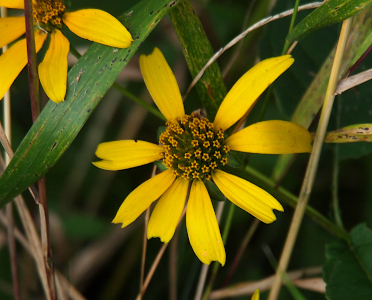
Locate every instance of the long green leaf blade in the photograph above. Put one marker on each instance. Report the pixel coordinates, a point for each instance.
(89, 80)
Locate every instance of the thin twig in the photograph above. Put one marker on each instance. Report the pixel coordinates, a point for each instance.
(240, 46)
(242, 35)
(313, 161)
(248, 288)
(160, 253)
(156, 261)
(144, 249)
(35, 252)
(173, 264)
(350, 82)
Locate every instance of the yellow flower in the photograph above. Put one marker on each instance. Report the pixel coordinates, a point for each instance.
(51, 16)
(256, 295)
(273, 137)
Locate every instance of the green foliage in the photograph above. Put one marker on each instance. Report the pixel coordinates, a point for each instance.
(331, 12)
(348, 270)
(83, 200)
(197, 51)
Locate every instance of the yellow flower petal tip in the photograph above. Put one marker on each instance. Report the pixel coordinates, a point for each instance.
(98, 26)
(271, 137)
(162, 85)
(247, 196)
(142, 197)
(120, 155)
(53, 68)
(202, 227)
(245, 92)
(256, 295)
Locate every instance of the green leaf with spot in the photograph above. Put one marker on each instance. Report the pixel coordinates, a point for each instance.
(89, 80)
(348, 270)
(197, 51)
(330, 12)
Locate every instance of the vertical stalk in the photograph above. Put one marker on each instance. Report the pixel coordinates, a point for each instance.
(293, 19)
(313, 161)
(35, 108)
(335, 176)
(32, 61)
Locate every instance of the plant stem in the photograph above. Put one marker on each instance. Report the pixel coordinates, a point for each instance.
(313, 161)
(293, 19)
(32, 61)
(35, 108)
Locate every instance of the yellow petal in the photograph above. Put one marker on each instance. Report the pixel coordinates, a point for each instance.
(168, 210)
(119, 155)
(11, 28)
(202, 227)
(162, 84)
(248, 88)
(271, 137)
(14, 60)
(12, 3)
(247, 196)
(53, 68)
(142, 197)
(256, 295)
(98, 26)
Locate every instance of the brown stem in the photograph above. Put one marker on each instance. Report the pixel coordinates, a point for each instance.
(32, 61)
(35, 108)
(359, 61)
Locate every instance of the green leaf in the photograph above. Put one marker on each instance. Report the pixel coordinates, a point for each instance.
(331, 12)
(363, 48)
(88, 80)
(351, 134)
(235, 159)
(197, 51)
(213, 191)
(348, 270)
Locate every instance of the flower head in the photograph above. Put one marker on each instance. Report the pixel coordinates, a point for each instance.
(194, 150)
(50, 16)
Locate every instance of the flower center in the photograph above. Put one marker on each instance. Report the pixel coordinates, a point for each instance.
(192, 148)
(48, 14)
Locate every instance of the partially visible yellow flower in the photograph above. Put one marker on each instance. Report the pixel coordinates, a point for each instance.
(194, 150)
(51, 16)
(256, 295)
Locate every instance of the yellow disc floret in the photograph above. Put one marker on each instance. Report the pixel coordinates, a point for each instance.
(192, 149)
(48, 14)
